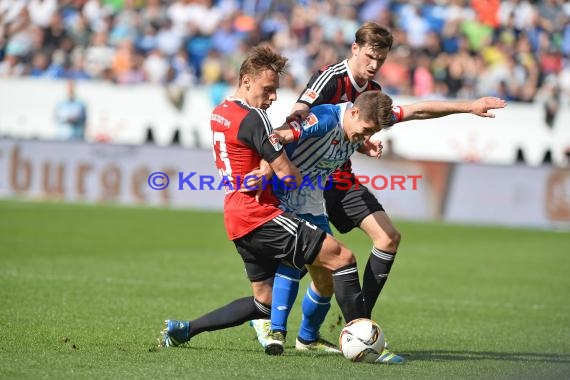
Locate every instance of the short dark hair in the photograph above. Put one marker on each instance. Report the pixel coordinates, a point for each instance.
(376, 107)
(261, 58)
(375, 35)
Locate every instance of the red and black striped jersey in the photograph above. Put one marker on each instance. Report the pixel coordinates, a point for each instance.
(241, 137)
(332, 85)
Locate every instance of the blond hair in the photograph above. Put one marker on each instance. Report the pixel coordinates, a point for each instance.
(259, 59)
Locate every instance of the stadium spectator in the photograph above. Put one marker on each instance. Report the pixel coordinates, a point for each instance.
(70, 116)
(464, 39)
(156, 67)
(42, 11)
(550, 98)
(99, 55)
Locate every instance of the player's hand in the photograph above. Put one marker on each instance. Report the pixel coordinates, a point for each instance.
(373, 148)
(482, 106)
(256, 179)
(253, 182)
(298, 116)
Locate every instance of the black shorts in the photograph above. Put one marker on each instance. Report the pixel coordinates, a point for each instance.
(347, 208)
(283, 238)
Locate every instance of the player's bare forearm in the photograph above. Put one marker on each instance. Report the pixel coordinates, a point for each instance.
(255, 178)
(285, 170)
(286, 132)
(434, 109)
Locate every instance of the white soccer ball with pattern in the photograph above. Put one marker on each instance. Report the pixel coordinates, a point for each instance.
(361, 340)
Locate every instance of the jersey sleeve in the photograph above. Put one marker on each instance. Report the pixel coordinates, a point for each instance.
(320, 121)
(255, 131)
(397, 114)
(321, 88)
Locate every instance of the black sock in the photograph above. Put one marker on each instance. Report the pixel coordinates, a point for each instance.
(304, 271)
(233, 314)
(348, 292)
(375, 276)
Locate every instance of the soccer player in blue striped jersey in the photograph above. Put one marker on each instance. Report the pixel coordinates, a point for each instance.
(325, 140)
(318, 145)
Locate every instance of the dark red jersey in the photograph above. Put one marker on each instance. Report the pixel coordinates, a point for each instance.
(242, 136)
(332, 85)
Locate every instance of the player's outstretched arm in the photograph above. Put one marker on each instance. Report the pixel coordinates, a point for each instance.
(482, 106)
(439, 108)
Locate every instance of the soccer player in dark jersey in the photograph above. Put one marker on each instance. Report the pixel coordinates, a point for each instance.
(356, 206)
(263, 234)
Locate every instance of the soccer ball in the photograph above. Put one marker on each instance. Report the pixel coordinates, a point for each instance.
(361, 340)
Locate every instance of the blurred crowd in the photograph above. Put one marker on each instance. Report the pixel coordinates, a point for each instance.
(518, 50)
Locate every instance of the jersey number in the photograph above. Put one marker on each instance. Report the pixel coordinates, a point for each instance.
(220, 137)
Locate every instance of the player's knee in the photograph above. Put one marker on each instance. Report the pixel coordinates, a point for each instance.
(344, 258)
(264, 298)
(388, 242)
(263, 290)
(395, 238)
(334, 255)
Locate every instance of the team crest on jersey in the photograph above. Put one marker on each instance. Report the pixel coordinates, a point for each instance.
(309, 96)
(309, 121)
(274, 140)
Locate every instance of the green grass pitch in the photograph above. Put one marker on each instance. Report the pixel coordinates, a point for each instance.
(84, 291)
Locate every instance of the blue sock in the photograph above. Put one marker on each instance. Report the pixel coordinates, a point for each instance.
(285, 289)
(315, 308)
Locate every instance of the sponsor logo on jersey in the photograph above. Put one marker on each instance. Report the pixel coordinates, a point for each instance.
(274, 140)
(221, 120)
(309, 96)
(332, 164)
(309, 121)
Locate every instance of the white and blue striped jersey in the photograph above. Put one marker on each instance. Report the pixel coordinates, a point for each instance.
(321, 149)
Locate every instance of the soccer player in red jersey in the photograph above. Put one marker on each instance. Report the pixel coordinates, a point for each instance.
(263, 234)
